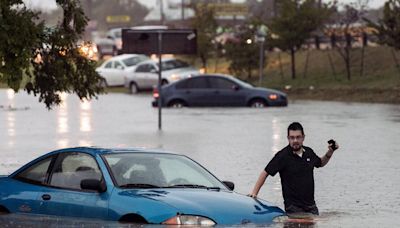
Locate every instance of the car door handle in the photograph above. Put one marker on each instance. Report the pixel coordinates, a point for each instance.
(188, 91)
(216, 91)
(46, 197)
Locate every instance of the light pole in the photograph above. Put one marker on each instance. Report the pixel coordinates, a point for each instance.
(260, 38)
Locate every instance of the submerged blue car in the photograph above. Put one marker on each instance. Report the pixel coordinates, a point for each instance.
(128, 185)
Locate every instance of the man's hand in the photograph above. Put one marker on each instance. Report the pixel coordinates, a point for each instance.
(332, 146)
(252, 195)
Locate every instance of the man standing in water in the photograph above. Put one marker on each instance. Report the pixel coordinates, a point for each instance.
(295, 164)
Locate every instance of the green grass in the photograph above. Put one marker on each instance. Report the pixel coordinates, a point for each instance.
(380, 81)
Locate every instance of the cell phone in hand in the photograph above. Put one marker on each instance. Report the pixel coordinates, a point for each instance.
(333, 144)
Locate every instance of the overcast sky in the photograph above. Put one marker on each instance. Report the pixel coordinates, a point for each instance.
(51, 4)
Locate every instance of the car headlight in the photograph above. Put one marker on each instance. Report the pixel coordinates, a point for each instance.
(175, 77)
(189, 220)
(273, 96)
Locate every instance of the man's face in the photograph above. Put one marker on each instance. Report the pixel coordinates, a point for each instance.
(296, 139)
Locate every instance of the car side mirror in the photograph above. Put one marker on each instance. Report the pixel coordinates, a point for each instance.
(229, 184)
(120, 67)
(235, 87)
(153, 71)
(94, 185)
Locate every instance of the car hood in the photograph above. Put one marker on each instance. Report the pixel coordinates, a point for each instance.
(224, 207)
(260, 89)
(181, 71)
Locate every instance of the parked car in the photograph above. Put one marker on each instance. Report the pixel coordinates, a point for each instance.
(114, 69)
(145, 76)
(115, 34)
(128, 185)
(217, 90)
(105, 47)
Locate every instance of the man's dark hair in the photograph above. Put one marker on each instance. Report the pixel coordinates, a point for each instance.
(295, 126)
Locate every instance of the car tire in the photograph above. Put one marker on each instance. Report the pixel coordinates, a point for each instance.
(177, 104)
(258, 103)
(133, 88)
(164, 82)
(3, 211)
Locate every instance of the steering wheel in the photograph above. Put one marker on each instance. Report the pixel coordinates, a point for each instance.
(178, 181)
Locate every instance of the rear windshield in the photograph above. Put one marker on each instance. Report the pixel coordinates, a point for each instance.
(173, 64)
(134, 60)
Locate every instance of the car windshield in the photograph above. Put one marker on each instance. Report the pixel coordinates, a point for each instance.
(173, 64)
(157, 170)
(132, 61)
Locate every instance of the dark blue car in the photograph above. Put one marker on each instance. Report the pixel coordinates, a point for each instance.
(128, 185)
(217, 90)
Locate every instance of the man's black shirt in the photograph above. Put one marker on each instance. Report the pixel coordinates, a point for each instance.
(297, 175)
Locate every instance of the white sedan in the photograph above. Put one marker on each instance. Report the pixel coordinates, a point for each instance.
(145, 75)
(114, 69)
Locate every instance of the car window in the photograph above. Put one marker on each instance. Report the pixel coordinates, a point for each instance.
(142, 68)
(173, 64)
(181, 84)
(37, 173)
(221, 83)
(108, 65)
(151, 68)
(72, 168)
(118, 65)
(138, 169)
(132, 61)
(197, 83)
(175, 170)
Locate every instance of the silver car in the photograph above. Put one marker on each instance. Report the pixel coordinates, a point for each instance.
(145, 75)
(114, 69)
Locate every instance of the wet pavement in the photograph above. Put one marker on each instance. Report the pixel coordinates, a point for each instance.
(358, 188)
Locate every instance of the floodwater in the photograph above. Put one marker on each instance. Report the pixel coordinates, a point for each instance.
(358, 188)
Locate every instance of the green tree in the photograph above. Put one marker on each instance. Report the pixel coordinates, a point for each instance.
(388, 27)
(294, 24)
(243, 52)
(346, 23)
(205, 24)
(45, 61)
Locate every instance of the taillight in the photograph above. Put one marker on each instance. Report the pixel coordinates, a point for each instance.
(156, 94)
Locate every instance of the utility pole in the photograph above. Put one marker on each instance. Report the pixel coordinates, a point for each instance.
(183, 10)
(162, 17)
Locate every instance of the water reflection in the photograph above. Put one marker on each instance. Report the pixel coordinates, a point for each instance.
(84, 142)
(85, 116)
(11, 118)
(62, 114)
(276, 135)
(62, 143)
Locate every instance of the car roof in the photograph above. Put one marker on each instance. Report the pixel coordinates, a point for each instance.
(123, 56)
(156, 60)
(101, 150)
(208, 75)
(94, 151)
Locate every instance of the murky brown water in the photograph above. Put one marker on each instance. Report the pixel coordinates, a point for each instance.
(358, 188)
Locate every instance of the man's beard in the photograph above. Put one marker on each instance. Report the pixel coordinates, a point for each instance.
(296, 147)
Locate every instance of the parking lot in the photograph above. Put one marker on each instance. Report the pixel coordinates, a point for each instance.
(358, 188)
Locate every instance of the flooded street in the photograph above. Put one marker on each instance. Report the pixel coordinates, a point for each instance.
(358, 188)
